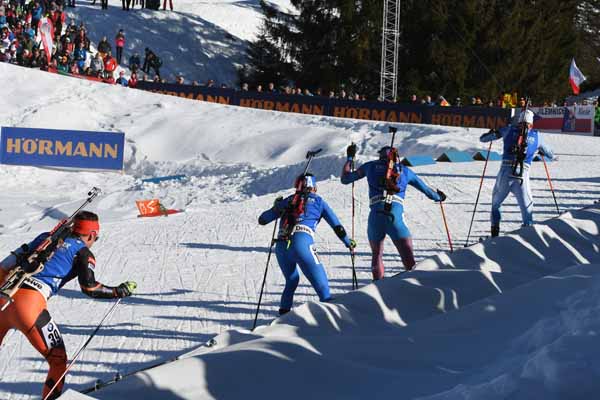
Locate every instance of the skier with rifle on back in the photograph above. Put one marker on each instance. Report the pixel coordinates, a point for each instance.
(388, 181)
(300, 214)
(25, 309)
(521, 143)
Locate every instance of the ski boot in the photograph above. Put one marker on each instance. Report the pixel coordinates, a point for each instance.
(495, 230)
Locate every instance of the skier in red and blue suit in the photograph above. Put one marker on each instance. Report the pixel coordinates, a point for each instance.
(29, 313)
(382, 223)
(295, 244)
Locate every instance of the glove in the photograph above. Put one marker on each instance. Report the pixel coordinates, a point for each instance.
(351, 244)
(442, 195)
(126, 289)
(351, 151)
(277, 200)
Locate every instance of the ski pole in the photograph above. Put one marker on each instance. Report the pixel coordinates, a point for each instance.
(446, 225)
(354, 278)
(550, 183)
(309, 156)
(265, 277)
(487, 157)
(87, 342)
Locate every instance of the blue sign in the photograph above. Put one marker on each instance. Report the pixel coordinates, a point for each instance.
(61, 148)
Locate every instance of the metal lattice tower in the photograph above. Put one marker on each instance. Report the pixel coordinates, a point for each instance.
(388, 87)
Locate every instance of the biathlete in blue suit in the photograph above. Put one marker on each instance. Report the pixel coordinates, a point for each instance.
(29, 313)
(505, 181)
(295, 241)
(382, 223)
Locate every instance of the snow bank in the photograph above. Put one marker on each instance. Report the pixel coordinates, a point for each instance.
(508, 318)
(201, 39)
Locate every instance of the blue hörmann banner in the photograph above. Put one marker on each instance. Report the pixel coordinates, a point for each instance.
(476, 117)
(62, 148)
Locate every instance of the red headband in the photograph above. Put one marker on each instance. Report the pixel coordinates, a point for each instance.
(85, 227)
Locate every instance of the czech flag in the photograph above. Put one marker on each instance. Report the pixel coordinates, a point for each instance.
(575, 77)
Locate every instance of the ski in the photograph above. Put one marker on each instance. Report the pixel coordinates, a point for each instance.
(100, 384)
(31, 263)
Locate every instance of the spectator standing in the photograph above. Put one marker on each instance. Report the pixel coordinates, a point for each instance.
(272, 88)
(259, 89)
(36, 15)
(156, 64)
(104, 4)
(597, 116)
(165, 4)
(413, 100)
(82, 38)
(134, 62)
(104, 47)
(126, 5)
(119, 44)
(148, 56)
(58, 18)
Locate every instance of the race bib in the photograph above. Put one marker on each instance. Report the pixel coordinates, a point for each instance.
(51, 335)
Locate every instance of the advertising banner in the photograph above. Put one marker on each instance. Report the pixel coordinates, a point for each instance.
(571, 119)
(62, 148)
(476, 117)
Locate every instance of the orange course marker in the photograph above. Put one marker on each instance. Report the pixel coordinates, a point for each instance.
(153, 208)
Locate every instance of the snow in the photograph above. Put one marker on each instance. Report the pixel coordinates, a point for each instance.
(506, 318)
(201, 40)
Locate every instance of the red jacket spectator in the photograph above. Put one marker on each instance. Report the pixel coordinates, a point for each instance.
(133, 80)
(119, 44)
(110, 64)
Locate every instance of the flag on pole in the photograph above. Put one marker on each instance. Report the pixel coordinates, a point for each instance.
(46, 31)
(575, 77)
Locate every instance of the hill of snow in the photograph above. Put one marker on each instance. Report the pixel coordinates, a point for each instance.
(200, 39)
(199, 273)
(511, 318)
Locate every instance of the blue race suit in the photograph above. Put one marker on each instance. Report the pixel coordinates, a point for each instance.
(505, 181)
(72, 259)
(29, 313)
(299, 250)
(381, 224)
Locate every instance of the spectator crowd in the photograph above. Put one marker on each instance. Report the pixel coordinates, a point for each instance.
(73, 53)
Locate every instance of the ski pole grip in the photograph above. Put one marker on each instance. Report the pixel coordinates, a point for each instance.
(94, 192)
(313, 153)
(393, 129)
